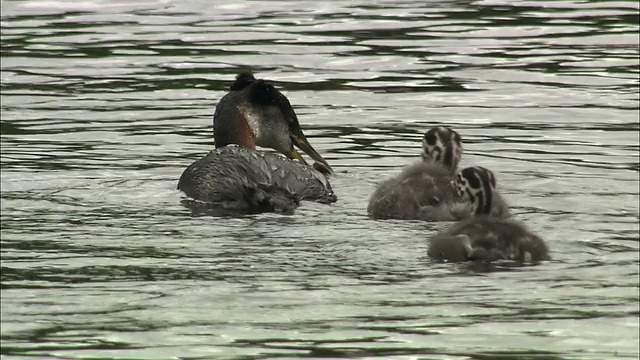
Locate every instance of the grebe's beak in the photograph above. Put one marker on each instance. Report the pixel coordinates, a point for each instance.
(301, 142)
(294, 154)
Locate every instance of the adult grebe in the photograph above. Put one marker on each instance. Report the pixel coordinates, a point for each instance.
(235, 175)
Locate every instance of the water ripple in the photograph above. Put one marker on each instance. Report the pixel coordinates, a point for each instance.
(105, 103)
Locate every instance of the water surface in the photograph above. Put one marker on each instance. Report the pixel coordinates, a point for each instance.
(104, 103)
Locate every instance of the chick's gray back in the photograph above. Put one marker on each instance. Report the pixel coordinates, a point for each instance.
(403, 196)
(508, 237)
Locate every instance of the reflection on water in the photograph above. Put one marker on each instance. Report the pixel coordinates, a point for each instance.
(105, 103)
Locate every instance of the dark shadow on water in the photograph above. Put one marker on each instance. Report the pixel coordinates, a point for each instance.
(479, 268)
(489, 267)
(351, 348)
(199, 209)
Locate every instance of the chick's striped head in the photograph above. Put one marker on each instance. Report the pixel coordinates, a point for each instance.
(443, 145)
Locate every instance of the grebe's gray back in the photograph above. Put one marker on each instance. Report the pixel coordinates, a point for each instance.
(251, 181)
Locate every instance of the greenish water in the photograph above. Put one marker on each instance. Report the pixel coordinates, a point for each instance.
(104, 103)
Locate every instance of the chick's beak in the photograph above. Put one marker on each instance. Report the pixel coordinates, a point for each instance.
(301, 142)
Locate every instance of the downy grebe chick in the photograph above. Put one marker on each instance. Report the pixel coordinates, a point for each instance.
(237, 176)
(484, 237)
(423, 191)
(423, 184)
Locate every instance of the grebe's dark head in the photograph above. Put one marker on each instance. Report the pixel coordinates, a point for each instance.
(243, 80)
(254, 113)
(443, 145)
(476, 184)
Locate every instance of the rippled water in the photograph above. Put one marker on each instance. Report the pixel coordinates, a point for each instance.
(104, 103)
